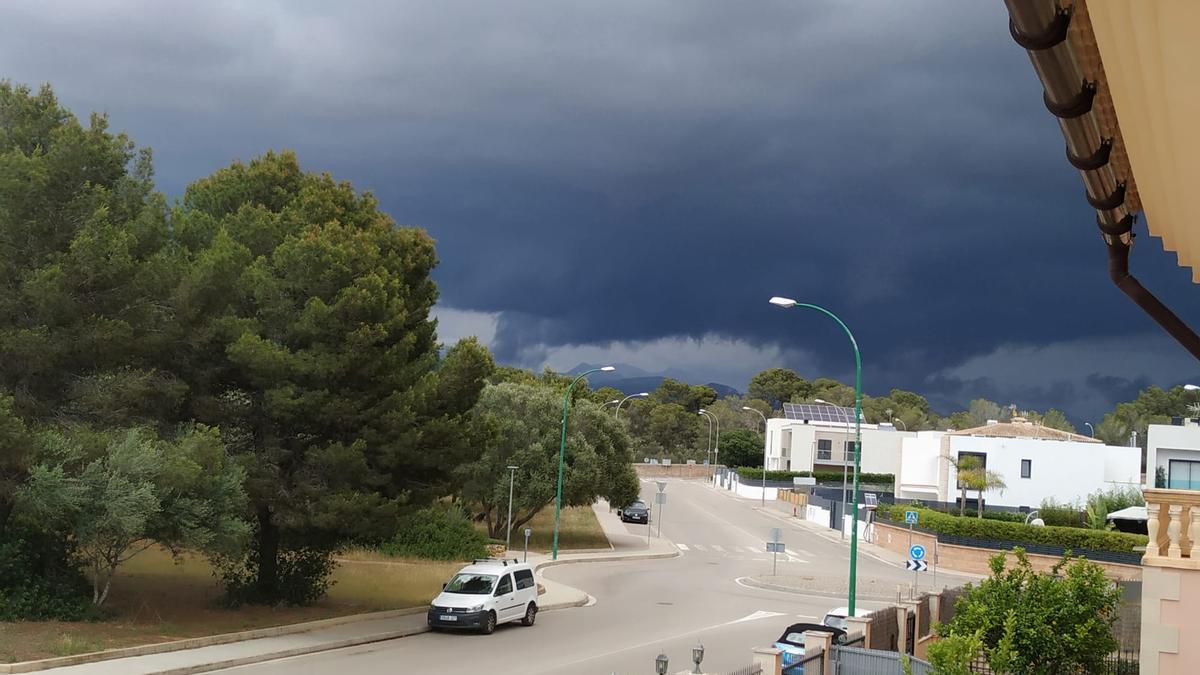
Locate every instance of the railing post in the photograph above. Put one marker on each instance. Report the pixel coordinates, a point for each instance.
(814, 640)
(1152, 511)
(1194, 553)
(769, 659)
(860, 625)
(1174, 529)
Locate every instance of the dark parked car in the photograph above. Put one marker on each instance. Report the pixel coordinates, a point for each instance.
(636, 512)
(791, 643)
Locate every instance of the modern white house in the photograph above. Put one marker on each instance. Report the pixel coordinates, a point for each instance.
(1035, 462)
(809, 444)
(1173, 454)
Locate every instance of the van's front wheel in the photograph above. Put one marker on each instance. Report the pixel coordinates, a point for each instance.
(530, 615)
(489, 624)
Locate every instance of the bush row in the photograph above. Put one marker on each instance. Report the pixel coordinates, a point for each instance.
(969, 526)
(748, 473)
(439, 532)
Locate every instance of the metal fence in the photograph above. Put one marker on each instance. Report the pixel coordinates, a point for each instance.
(855, 661)
(1117, 663)
(752, 669)
(812, 663)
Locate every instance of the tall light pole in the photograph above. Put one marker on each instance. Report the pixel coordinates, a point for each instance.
(512, 474)
(717, 445)
(562, 451)
(622, 401)
(706, 416)
(764, 482)
(897, 419)
(1090, 427)
(788, 303)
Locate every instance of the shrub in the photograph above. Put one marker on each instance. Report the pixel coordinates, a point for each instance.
(750, 473)
(303, 576)
(1061, 515)
(40, 582)
(440, 532)
(1073, 538)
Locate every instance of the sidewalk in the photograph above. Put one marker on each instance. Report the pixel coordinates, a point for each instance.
(207, 654)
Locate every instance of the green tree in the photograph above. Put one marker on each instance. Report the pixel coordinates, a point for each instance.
(1057, 419)
(519, 425)
(741, 447)
(136, 492)
(777, 386)
(690, 397)
(982, 411)
(1039, 623)
(304, 334)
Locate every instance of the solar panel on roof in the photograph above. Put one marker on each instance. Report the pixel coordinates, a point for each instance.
(818, 412)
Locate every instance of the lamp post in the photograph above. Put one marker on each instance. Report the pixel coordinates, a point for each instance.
(622, 401)
(897, 419)
(697, 657)
(705, 415)
(717, 445)
(1091, 428)
(562, 451)
(661, 664)
(512, 474)
(764, 481)
(608, 403)
(788, 303)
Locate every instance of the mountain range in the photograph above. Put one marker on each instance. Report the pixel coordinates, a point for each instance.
(633, 380)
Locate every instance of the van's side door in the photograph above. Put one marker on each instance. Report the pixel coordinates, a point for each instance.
(526, 587)
(507, 605)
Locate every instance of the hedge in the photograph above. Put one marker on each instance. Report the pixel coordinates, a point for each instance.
(982, 528)
(750, 473)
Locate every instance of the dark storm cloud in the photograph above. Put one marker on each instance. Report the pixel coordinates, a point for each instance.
(626, 172)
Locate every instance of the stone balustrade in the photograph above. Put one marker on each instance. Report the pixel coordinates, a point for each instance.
(1173, 523)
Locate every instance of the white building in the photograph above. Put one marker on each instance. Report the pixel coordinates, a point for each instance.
(813, 445)
(1173, 450)
(1035, 462)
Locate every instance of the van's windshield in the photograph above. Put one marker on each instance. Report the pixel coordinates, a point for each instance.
(471, 584)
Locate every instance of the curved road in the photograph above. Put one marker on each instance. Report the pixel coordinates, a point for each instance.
(646, 607)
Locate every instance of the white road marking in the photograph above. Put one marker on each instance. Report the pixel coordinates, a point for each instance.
(718, 549)
(754, 549)
(682, 547)
(760, 614)
(699, 547)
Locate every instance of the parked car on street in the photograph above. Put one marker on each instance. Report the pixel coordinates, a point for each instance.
(836, 617)
(485, 593)
(637, 512)
(791, 643)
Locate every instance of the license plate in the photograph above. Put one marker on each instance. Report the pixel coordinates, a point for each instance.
(448, 617)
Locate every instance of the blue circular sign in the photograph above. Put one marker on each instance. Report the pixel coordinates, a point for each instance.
(916, 552)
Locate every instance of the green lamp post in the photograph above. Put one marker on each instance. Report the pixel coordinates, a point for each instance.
(562, 451)
(788, 303)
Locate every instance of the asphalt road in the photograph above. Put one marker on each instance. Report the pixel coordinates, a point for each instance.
(645, 607)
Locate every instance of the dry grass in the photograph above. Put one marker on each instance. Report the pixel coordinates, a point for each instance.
(578, 529)
(155, 600)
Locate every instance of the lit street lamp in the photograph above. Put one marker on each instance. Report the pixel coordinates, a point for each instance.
(717, 445)
(512, 474)
(764, 481)
(562, 451)
(622, 401)
(788, 303)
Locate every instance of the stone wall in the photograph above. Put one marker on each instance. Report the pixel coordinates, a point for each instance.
(697, 471)
(975, 560)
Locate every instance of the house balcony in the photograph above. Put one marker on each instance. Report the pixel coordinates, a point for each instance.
(1173, 524)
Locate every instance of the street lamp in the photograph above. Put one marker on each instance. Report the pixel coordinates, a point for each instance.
(697, 657)
(1092, 428)
(512, 474)
(562, 451)
(622, 401)
(608, 403)
(660, 664)
(897, 419)
(717, 445)
(788, 303)
(764, 481)
(705, 415)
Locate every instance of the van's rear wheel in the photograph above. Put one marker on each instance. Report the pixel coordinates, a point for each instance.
(489, 624)
(530, 615)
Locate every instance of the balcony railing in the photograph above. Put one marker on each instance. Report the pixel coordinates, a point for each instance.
(1173, 523)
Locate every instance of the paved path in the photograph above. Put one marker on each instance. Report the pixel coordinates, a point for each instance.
(646, 606)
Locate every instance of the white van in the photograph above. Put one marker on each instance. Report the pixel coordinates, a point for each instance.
(485, 593)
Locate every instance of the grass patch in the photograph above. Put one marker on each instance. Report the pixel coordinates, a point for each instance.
(155, 600)
(578, 529)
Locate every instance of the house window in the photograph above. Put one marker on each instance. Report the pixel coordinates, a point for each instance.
(1026, 468)
(824, 449)
(849, 452)
(1183, 474)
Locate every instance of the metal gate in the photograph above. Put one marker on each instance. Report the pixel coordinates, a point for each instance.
(856, 661)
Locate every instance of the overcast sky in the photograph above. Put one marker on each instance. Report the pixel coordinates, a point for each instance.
(631, 180)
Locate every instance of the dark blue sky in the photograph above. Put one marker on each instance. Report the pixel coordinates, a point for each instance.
(631, 180)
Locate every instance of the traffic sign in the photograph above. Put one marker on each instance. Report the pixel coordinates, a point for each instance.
(776, 534)
(775, 547)
(916, 552)
(910, 517)
(660, 498)
(917, 565)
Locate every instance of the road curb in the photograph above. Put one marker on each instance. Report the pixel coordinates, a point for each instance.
(752, 583)
(198, 642)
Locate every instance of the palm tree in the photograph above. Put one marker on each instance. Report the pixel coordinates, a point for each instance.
(972, 475)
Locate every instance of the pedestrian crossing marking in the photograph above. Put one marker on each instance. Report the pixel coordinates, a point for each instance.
(682, 547)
